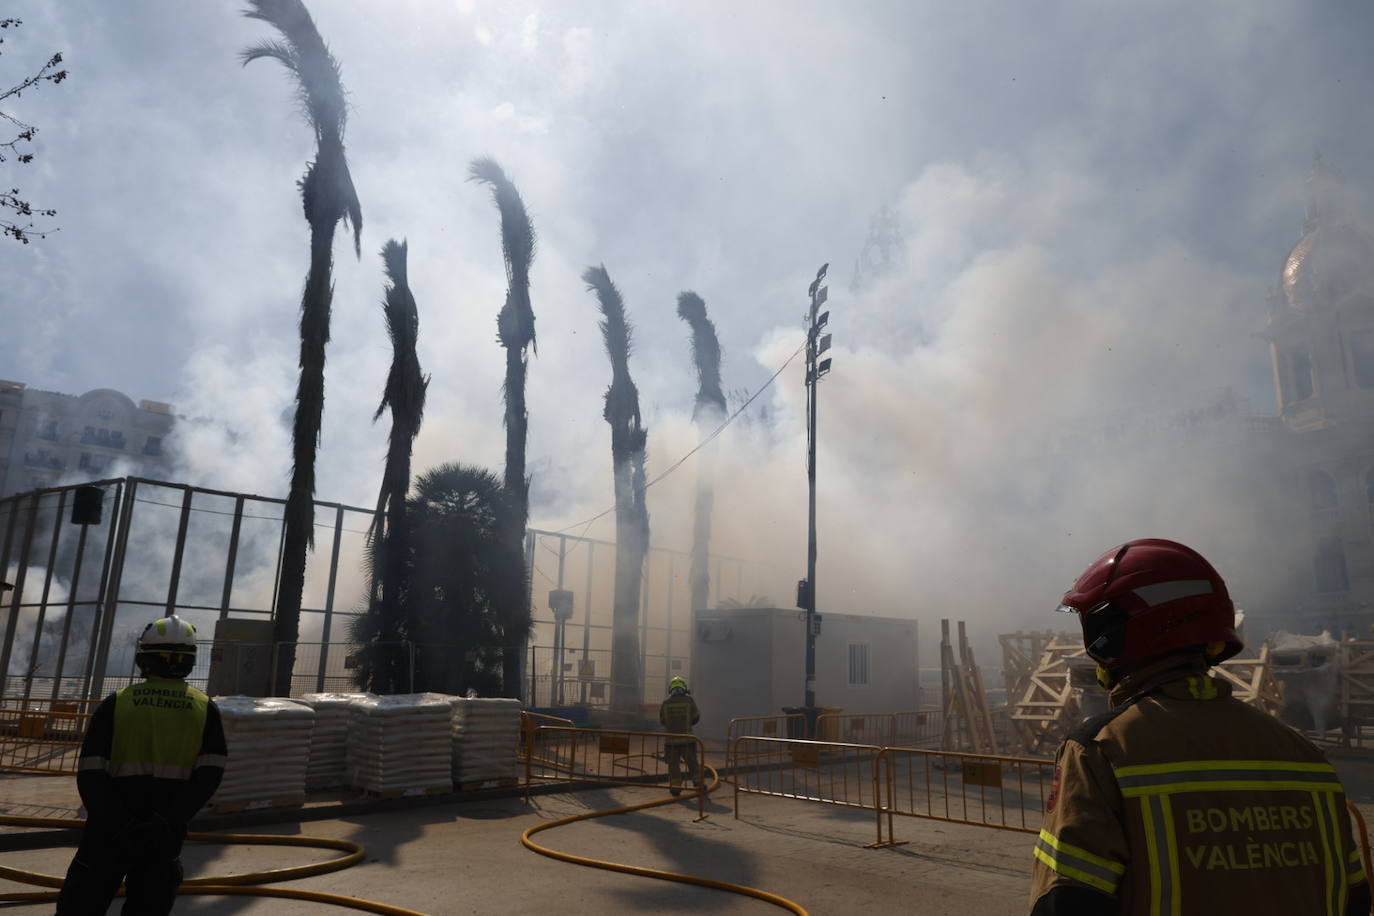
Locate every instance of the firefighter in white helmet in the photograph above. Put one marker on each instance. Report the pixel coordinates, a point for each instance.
(153, 754)
(1181, 800)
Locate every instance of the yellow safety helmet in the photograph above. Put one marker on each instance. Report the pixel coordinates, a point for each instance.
(677, 683)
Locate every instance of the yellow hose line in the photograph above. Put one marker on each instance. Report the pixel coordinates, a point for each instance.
(224, 885)
(642, 871)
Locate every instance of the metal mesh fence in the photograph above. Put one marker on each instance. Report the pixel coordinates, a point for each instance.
(84, 592)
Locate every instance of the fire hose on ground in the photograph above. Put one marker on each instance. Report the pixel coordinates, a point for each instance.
(642, 871)
(245, 884)
(253, 883)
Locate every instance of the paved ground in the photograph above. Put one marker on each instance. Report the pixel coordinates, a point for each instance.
(466, 858)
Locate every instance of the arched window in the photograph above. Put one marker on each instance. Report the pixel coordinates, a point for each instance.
(1300, 386)
(1362, 355)
(1321, 490)
(1328, 566)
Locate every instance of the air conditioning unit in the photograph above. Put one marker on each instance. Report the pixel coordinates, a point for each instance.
(713, 630)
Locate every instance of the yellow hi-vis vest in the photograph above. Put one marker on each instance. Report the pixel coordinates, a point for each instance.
(158, 727)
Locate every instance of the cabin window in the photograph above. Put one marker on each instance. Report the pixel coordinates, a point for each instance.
(858, 664)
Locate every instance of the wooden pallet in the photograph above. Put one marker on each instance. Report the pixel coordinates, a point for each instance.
(413, 792)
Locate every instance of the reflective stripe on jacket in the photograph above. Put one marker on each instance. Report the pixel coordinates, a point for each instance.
(677, 714)
(158, 725)
(1183, 800)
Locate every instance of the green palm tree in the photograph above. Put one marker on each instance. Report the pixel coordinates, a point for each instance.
(464, 582)
(388, 538)
(515, 330)
(328, 196)
(628, 441)
(707, 414)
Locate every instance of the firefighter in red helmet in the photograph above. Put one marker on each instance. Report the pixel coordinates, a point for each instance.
(1180, 799)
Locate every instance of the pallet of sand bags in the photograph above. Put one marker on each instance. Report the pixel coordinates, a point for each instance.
(327, 766)
(269, 746)
(400, 743)
(486, 738)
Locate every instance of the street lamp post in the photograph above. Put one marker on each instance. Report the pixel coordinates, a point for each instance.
(816, 368)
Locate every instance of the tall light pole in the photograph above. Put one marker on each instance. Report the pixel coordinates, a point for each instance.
(816, 368)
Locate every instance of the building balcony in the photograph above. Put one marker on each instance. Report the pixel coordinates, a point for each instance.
(115, 440)
(43, 460)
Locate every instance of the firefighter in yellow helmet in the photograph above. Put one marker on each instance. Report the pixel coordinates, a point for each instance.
(153, 754)
(677, 714)
(1181, 800)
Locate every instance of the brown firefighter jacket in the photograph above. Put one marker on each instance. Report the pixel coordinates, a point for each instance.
(1183, 800)
(677, 714)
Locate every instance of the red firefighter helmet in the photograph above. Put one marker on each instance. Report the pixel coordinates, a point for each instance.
(1150, 597)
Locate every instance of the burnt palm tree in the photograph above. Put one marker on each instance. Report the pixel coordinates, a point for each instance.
(389, 535)
(328, 196)
(628, 440)
(707, 414)
(515, 330)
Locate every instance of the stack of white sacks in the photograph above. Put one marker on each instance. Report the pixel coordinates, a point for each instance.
(401, 745)
(486, 734)
(269, 746)
(327, 768)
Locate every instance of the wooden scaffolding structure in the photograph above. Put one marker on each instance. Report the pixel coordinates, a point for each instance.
(1046, 706)
(1020, 658)
(967, 720)
(1356, 695)
(1252, 681)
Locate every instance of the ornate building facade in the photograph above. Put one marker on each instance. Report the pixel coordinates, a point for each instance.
(47, 438)
(1320, 332)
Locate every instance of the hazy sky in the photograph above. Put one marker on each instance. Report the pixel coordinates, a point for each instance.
(1094, 199)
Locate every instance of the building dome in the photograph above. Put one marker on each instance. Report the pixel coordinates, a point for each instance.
(1334, 258)
(1329, 263)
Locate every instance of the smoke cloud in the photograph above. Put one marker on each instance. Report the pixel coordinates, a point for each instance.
(1092, 207)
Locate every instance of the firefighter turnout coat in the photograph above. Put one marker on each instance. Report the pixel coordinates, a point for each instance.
(677, 714)
(1183, 800)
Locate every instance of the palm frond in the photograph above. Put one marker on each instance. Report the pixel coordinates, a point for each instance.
(517, 231)
(327, 188)
(615, 330)
(271, 49)
(705, 352)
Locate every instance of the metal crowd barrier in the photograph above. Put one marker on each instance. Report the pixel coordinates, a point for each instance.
(778, 726)
(530, 723)
(618, 758)
(1007, 793)
(984, 790)
(42, 735)
(827, 772)
(887, 729)
(917, 727)
(856, 728)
